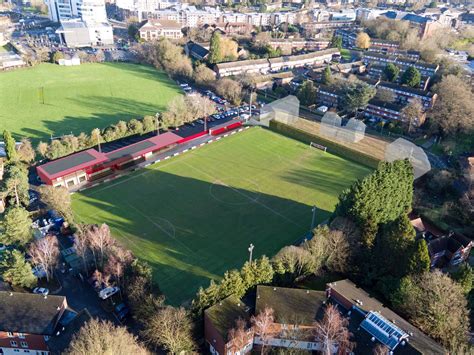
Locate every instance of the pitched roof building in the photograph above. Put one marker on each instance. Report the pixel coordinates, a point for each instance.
(371, 321)
(156, 29)
(27, 321)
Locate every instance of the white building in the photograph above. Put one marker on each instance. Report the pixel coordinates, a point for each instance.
(90, 11)
(75, 33)
(155, 29)
(59, 10)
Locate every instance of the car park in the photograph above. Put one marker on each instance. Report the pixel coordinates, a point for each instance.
(121, 311)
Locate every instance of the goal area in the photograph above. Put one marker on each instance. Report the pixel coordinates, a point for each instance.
(318, 146)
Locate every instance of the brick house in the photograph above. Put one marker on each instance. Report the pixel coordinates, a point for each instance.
(371, 322)
(328, 96)
(295, 311)
(444, 248)
(389, 111)
(27, 321)
(405, 94)
(219, 319)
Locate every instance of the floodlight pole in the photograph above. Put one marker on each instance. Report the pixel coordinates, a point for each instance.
(205, 124)
(157, 117)
(313, 220)
(250, 249)
(98, 143)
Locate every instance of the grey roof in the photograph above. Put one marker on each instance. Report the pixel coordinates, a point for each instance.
(406, 89)
(385, 104)
(130, 150)
(418, 342)
(196, 48)
(291, 305)
(68, 162)
(29, 313)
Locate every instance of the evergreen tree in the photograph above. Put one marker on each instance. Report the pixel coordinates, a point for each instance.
(420, 259)
(307, 93)
(16, 270)
(264, 271)
(464, 276)
(16, 227)
(215, 52)
(327, 76)
(411, 77)
(391, 72)
(10, 146)
(357, 95)
(336, 42)
(393, 248)
(231, 284)
(380, 197)
(15, 183)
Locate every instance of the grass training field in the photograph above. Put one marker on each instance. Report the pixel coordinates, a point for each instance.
(192, 217)
(79, 98)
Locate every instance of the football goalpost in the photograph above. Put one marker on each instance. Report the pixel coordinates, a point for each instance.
(41, 94)
(318, 146)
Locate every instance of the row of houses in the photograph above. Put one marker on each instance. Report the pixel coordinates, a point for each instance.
(295, 312)
(377, 45)
(268, 65)
(374, 58)
(381, 110)
(190, 16)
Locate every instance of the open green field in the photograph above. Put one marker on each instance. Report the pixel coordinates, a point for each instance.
(79, 98)
(192, 217)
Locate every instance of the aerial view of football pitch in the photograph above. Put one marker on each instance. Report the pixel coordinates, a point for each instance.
(49, 99)
(192, 217)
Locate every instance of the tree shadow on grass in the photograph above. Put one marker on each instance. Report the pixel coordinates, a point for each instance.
(189, 231)
(123, 109)
(338, 177)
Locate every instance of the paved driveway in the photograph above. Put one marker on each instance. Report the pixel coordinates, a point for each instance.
(80, 295)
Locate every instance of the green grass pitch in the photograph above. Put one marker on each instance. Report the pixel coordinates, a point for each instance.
(79, 98)
(192, 217)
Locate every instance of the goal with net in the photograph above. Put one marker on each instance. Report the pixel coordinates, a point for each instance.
(318, 146)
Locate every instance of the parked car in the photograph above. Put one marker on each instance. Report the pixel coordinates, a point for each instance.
(322, 109)
(108, 291)
(41, 291)
(121, 311)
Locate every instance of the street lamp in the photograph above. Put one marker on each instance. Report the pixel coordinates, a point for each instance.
(250, 249)
(313, 220)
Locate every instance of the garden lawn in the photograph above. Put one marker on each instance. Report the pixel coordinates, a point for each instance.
(79, 98)
(192, 217)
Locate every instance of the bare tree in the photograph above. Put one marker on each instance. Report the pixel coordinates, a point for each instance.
(117, 261)
(332, 332)
(412, 113)
(380, 349)
(262, 324)
(454, 109)
(99, 337)
(57, 198)
(44, 252)
(100, 239)
(26, 152)
(238, 336)
(81, 244)
(42, 148)
(170, 328)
